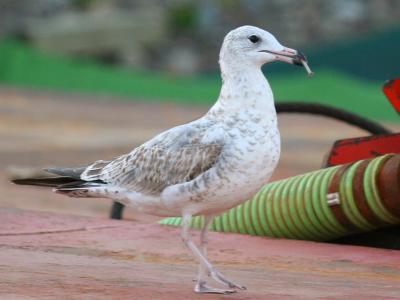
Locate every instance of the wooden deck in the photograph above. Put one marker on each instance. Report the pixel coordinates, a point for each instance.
(55, 256)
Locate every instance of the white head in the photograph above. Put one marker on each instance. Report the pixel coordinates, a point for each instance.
(249, 45)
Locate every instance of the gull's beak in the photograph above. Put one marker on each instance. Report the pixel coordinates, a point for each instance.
(291, 56)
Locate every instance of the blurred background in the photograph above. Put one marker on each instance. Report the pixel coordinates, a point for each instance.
(82, 80)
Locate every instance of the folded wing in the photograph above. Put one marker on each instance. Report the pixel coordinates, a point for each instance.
(151, 170)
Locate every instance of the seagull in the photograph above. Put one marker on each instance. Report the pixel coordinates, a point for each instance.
(204, 167)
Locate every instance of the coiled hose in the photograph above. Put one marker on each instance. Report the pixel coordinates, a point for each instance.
(322, 205)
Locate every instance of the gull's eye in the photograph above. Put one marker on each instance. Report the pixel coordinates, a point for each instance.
(254, 39)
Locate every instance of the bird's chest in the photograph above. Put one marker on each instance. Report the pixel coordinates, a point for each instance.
(256, 141)
(243, 169)
(252, 155)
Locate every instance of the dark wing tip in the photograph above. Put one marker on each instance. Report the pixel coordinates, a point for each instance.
(26, 181)
(16, 181)
(45, 181)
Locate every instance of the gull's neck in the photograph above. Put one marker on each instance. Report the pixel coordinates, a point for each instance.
(244, 88)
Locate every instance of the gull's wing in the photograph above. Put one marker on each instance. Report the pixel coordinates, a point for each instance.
(174, 157)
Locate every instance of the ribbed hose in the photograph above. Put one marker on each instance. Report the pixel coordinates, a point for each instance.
(321, 205)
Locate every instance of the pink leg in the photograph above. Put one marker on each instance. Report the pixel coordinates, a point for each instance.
(206, 268)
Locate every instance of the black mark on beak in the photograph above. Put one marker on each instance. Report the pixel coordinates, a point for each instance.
(298, 58)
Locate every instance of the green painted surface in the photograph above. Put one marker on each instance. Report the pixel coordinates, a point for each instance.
(26, 67)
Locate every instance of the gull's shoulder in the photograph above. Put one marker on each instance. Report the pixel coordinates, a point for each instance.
(201, 131)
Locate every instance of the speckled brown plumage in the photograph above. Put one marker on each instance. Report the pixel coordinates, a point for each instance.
(149, 170)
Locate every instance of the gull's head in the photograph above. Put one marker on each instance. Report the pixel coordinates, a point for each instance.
(249, 45)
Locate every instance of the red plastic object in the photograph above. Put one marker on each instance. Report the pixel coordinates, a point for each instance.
(392, 91)
(350, 150)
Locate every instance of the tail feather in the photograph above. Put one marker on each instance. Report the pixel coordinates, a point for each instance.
(78, 189)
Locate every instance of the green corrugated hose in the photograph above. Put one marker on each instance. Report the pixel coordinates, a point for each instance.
(300, 208)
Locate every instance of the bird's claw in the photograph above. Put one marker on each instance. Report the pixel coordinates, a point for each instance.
(202, 288)
(217, 276)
